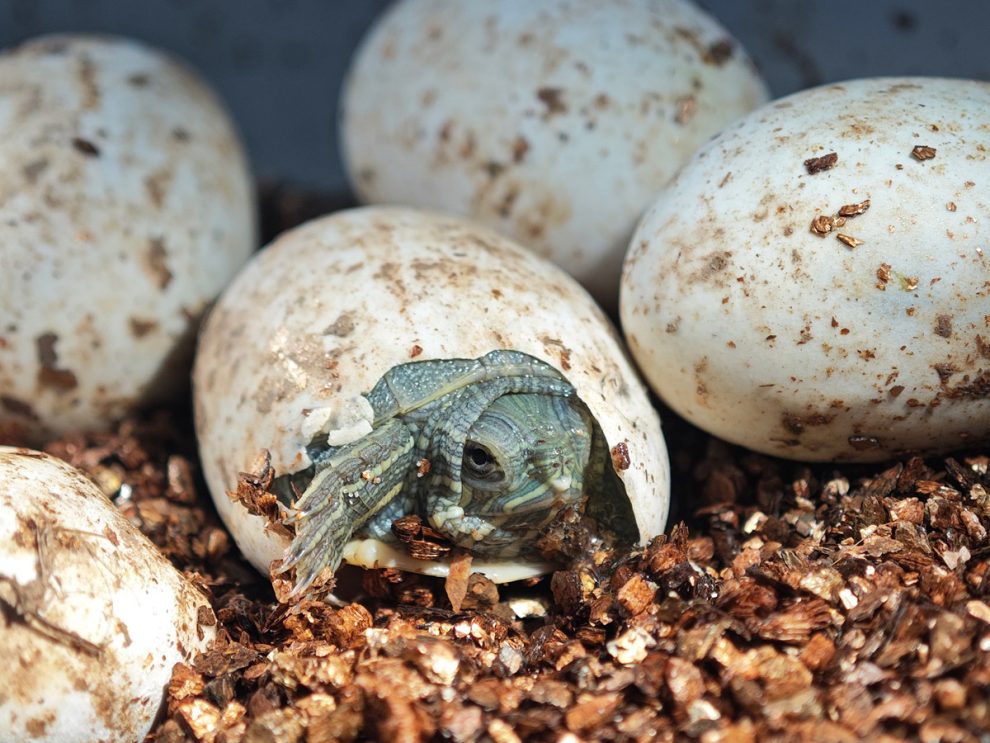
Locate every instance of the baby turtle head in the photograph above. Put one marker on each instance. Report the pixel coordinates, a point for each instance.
(524, 460)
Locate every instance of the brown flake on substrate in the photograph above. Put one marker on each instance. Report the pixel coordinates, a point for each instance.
(824, 224)
(620, 457)
(818, 164)
(420, 540)
(797, 602)
(852, 210)
(253, 492)
(796, 424)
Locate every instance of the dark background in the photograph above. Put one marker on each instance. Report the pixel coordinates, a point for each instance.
(279, 63)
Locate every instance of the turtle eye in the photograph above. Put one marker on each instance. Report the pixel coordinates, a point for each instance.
(480, 464)
(479, 457)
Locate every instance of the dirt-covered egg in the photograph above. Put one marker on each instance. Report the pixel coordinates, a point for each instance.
(394, 362)
(815, 283)
(554, 122)
(94, 616)
(125, 206)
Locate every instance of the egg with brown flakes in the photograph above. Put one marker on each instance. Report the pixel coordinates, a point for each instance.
(95, 617)
(553, 122)
(125, 206)
(815, 283)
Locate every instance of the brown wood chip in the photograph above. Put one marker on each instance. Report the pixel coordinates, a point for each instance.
(852, 210)
(456, 585)
(818, 164)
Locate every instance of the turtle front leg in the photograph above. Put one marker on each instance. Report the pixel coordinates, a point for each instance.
(359, 480)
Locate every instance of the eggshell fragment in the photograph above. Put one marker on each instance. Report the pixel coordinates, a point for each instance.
(814, 283)
(125, 206)
(554, 122)
(318, 317)
(94, 617)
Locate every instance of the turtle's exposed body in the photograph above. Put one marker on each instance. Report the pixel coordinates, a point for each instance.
(487, 450)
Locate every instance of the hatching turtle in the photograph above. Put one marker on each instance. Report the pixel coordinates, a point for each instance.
(291, 354)
(487, 450)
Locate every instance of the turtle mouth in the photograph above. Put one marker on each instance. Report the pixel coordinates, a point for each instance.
(545, 510)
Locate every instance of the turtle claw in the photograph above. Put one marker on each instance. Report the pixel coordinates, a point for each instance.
(311, 552)
(341, 498)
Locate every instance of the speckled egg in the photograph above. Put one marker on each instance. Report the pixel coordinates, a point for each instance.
(554, 122)
(318, 317)
(94, 617)
(125, 206)
(814, 284)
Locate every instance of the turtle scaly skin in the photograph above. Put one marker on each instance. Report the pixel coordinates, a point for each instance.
(508, 445)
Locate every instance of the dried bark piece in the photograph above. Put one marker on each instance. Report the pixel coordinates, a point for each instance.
(224, 658)
(571, 589)
(461, 723)
(566, 653)
(911, 510)
(635, 595)
(552, 692)
(501, 732)
(883, 276)
(821, 225)
(344, 723)
(796, 624)
(979, 609)
(185, 682)
(818, 164)
(482, 593)
(631, 646)
(202, 719)
(684, 681)
(253, 492)
(592, 711)
(456, 585)
(348, 624)
(421, 541)
(276, 725)
(818, 653)
(495, 694)
(852, 210)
